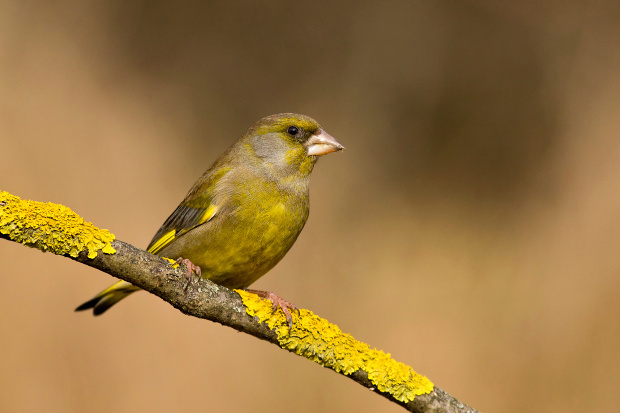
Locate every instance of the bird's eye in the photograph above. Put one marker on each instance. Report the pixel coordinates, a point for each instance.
(293, 130)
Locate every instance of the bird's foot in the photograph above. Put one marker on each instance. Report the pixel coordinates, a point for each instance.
(191, 270)
(278, 302)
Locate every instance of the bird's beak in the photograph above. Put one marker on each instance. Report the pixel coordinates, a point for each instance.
(322, 144)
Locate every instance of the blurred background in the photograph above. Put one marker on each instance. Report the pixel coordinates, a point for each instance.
(471, 228)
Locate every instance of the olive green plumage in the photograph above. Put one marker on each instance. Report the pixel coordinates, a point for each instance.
(246, 211)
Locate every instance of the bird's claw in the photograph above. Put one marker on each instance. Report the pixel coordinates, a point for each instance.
(278, 302)
(191, 270)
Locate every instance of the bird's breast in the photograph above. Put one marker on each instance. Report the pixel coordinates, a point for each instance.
(247, 237)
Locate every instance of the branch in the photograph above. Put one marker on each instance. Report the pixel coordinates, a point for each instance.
(55, 228)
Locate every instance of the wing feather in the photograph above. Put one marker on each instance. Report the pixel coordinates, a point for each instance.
(197, 208)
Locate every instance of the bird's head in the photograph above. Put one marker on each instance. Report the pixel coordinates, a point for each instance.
(290, 142)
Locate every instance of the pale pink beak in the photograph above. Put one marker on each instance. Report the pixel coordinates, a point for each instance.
(322, 144)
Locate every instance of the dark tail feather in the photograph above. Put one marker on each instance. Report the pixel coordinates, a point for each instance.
(108, 297)
(88, 304)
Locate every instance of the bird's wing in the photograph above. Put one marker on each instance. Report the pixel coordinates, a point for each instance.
(197, 208)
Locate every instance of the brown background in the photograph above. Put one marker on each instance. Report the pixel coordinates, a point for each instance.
(471, 228)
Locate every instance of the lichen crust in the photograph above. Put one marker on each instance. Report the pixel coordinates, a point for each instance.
(317, 339)
(51, 227)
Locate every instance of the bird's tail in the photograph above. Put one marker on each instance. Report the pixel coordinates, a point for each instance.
(108, 297)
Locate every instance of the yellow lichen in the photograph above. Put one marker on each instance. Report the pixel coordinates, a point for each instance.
(51, 227)
(322, 342)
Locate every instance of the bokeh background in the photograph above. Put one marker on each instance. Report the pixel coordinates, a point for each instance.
(471, 228)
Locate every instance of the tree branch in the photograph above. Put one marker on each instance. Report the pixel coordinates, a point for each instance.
(55, 228)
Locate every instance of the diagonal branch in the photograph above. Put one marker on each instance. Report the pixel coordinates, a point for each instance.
(55, 228)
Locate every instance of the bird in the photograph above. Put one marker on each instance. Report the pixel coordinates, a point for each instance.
(244, 213)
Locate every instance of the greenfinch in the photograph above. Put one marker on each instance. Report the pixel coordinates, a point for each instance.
(245, 212)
